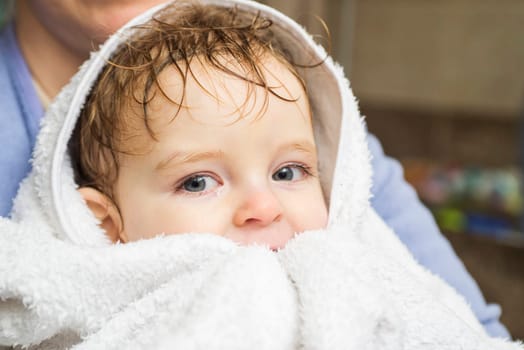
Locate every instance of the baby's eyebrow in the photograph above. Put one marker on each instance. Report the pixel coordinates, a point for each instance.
(179, 157)
(305, 146)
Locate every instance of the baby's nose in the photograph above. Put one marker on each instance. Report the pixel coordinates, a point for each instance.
(258, 209)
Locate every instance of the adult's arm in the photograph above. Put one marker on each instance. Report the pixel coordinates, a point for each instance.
(398, 205)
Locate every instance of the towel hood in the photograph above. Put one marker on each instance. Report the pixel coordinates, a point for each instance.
(344, 163)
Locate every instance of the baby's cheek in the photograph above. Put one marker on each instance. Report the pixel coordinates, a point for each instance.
(316, 220)
(319, 217)
(324, 217)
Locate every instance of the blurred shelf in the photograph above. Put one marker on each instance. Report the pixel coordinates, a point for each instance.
(498, 268)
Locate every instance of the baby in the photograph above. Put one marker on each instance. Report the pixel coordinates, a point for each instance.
(227, 119)
(200, 123)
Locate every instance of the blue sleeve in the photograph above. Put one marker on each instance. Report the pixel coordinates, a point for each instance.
(398, 205)
(19, 118)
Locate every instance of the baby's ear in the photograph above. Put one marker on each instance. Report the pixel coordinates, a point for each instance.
(104, 210)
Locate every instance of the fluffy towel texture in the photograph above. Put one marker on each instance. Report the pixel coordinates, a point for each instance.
(351, 286)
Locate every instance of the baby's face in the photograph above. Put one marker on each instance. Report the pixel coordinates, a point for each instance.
(236, 162)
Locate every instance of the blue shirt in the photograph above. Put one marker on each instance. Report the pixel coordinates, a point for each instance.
(20, 114)
(393, 199)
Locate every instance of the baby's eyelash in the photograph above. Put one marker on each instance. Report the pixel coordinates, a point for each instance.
(308, 170)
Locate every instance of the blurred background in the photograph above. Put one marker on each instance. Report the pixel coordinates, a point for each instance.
(6, 9)
(441, 83)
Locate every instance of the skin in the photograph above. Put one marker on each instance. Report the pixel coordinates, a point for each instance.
(242, 170)
(56, 36)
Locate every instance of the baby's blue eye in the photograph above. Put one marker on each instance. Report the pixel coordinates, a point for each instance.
(199, 183)
(290, 173)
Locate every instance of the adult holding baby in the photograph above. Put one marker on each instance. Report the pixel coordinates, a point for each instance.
(45, 44)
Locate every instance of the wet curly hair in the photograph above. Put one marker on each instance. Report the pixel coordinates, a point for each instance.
(183, 31)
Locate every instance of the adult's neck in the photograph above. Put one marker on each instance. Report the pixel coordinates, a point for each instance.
(51, 62)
